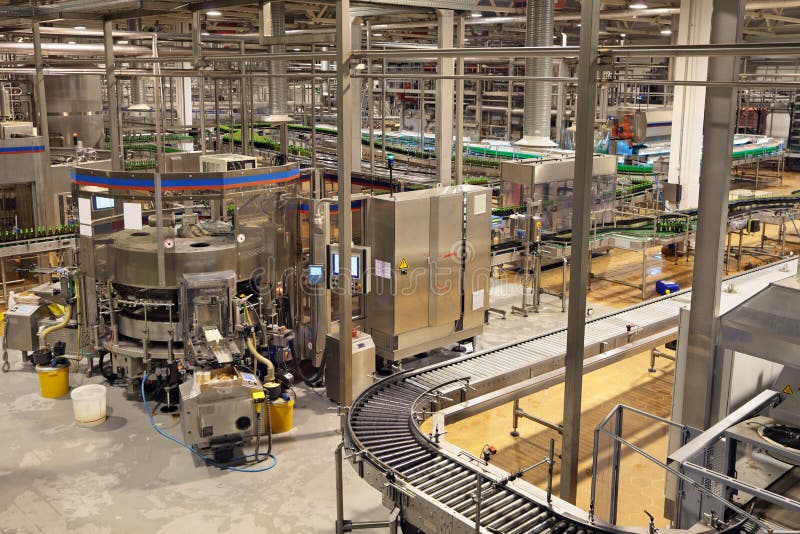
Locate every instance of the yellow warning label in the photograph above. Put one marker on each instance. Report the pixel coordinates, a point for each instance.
(788, 390)
(403, 264)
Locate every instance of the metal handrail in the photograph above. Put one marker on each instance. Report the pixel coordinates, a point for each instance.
(619, 409)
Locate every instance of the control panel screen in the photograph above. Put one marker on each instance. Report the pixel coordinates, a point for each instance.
(359, 263)
(315, 275)
(103, 203)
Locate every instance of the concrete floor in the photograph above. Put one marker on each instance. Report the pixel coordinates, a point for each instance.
(123, 477)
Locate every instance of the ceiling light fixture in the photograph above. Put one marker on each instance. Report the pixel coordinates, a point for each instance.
(637, 4)
(296, 49)
(71, 42)
(214, 13)
(80, 27)
(666, 30)
(122, 42)
(476, 14)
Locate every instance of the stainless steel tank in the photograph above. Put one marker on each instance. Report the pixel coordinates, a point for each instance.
(75, 105)
(135, 257)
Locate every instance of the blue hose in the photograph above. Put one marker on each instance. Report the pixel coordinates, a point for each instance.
(192, 449)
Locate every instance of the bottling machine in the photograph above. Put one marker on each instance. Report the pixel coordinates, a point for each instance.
(186, 266)
(200, 284)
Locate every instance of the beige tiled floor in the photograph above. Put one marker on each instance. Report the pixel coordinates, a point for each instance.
(627, 382)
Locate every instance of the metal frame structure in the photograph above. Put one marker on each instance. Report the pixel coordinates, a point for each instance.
(32, 247)
(430, 479)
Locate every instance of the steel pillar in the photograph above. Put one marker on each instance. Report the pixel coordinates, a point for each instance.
(579, 268)
(459, 170)
(197, 47)
(702, 391)
(243, 111)
(444, 100)
(113, 97)
(43, 184)
(347, 99)
(370, 105)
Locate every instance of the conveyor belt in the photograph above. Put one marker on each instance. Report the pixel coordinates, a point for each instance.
(410, 469)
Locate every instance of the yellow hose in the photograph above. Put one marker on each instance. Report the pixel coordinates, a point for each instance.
(251, 346)
(270, 368)
(58, 326)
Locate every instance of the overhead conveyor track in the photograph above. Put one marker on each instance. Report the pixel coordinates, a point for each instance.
(434, 486)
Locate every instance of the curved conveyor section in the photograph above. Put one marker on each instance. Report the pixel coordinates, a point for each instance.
(435, 485)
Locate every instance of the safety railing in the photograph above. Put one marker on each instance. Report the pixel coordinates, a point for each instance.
(611, 430)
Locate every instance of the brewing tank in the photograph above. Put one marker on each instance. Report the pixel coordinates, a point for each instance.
(75, 106)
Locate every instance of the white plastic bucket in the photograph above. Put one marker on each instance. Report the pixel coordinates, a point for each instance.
(89, 404)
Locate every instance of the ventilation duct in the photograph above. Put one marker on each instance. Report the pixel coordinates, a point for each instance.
(538, 94)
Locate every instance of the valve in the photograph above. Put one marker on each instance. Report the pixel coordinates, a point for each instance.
(487, 452)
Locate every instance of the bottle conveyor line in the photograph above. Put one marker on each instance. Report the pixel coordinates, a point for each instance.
(433, 485)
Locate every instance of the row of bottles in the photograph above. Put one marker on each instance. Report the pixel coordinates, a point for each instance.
(19, 234)
(672, 226)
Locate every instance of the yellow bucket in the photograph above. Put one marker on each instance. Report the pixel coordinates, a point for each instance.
(53, 381)
(281, 414)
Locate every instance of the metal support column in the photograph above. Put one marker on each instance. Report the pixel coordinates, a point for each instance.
(384, 70)
(356, 105)
(43, 184)
(460, 36)
(579, 268)
(370, 106)
(560, 104)
(345, 102)
(509, 99)
(243, 112)
(217, 129)
(444, 101)
(314, 115)
(201, 81)
(479, 108)
(113, 97)
(701, 400)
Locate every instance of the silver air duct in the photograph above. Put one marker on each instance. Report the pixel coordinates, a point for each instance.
(538, 95)
(138, 94)
(278, 86)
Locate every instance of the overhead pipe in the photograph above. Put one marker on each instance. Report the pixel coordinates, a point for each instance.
(68, 6)
(72, 32)
(77, 5)
(248, 37)
(538, 95)
(608, 14)
(737, 49)
(81, 49)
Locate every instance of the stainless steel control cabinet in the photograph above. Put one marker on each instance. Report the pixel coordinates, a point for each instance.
(430, 272)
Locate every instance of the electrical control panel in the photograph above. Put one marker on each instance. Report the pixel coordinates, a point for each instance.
(359, 264)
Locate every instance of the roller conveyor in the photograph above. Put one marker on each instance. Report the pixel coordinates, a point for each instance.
(435, 486)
